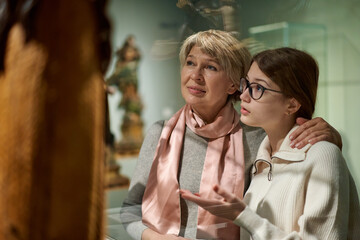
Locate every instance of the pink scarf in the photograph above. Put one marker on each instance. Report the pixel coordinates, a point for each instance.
(224, 165)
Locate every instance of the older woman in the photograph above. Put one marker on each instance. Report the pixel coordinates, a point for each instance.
(303, 193)
(203, 144)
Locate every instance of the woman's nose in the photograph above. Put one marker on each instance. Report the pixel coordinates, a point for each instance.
(196, 74)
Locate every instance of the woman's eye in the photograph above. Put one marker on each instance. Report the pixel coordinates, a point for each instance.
(211, 68)
(189, 63)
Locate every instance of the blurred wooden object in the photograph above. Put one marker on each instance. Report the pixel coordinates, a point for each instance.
(52, 119)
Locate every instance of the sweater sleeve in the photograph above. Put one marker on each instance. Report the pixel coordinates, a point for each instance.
(130, 213)
(329, 195)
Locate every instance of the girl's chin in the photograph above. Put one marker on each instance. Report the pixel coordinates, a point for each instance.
(247, 121)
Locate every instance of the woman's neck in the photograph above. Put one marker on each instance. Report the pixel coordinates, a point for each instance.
(278, 133)
(208, 115)
(205, 116)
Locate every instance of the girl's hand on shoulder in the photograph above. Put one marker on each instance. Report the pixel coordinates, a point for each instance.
(227, 206)
(313, 131)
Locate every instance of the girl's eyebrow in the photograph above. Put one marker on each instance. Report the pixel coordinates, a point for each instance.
(260, 80)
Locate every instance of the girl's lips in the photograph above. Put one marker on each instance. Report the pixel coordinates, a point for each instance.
(196, 91)
(244, 111)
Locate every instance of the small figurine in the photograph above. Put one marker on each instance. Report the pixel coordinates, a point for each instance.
(126, 79)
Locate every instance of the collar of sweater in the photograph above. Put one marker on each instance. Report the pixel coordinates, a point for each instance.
(285, 152)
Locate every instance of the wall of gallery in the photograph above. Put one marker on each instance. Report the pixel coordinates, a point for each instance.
(334, 25)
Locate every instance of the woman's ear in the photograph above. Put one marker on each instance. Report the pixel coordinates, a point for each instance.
(293, 106)
(232, 89)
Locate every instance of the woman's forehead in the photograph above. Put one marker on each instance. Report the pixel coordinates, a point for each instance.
(200, 50)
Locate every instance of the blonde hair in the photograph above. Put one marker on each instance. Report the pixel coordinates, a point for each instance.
(229, 52)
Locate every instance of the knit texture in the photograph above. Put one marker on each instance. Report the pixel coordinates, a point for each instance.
(310, 198)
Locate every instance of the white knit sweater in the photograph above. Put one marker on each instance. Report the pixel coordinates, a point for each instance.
(310, 195)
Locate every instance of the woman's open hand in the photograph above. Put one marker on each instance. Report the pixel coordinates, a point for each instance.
(226, 206)
(149, 234)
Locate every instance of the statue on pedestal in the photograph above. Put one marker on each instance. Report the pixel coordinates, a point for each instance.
(126, 79)
(113, 177)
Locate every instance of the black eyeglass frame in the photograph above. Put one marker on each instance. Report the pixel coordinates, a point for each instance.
(248, 84)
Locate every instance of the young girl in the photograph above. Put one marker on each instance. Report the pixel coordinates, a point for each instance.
(303, 193)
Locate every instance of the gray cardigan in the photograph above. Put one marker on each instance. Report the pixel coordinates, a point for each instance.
(190, 169)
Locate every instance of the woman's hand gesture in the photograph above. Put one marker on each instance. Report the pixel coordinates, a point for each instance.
(227, 205)
(149, 234)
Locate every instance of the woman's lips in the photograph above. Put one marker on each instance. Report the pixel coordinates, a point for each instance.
(196, 91)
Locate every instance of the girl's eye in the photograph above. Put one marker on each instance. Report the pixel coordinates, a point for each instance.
(211, 68)
(258, 87)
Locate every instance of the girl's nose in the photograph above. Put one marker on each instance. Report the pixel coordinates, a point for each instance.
(245, 96)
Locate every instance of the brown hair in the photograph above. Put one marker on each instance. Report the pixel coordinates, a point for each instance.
(230, 53)
(295, 72)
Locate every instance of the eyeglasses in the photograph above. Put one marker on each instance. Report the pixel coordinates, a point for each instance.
(255, 90)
